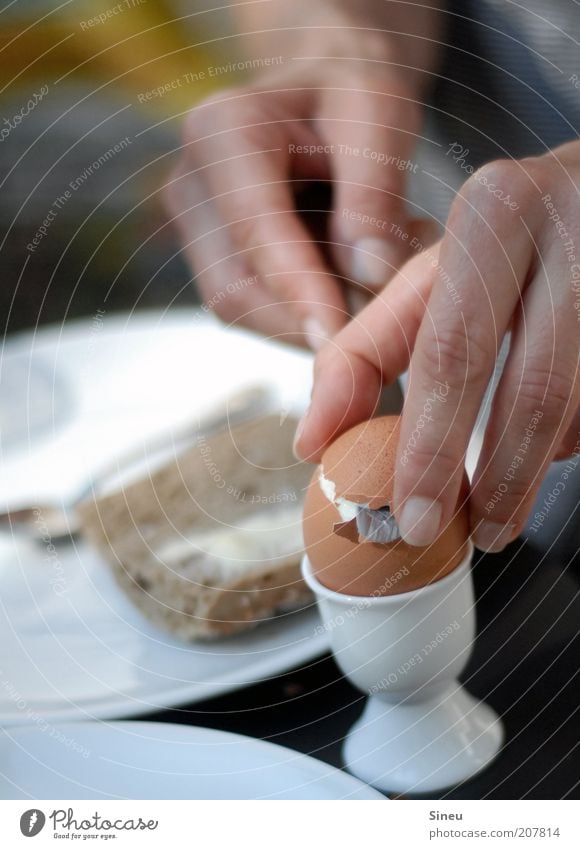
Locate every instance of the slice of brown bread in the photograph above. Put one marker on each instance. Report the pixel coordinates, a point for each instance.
(210, 543)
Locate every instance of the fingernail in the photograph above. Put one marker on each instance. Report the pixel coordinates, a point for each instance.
(420, 520)
(493, 536)
(372, 261)
(315, 333)
(298, 434)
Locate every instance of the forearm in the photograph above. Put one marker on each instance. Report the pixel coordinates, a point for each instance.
(406, 37)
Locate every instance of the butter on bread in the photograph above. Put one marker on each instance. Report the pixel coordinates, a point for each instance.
(210, 543)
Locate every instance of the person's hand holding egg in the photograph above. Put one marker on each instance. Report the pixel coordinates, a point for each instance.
(354, 481)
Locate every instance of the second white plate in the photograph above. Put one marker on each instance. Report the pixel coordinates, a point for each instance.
(148, 760)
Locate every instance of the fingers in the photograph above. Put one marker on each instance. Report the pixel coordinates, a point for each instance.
(246, 167)
(370, 351)
(483, 282)
(483, 262)
(227, 284)
(535, 408)
(373, 134)
(419, 234)
(245, 150)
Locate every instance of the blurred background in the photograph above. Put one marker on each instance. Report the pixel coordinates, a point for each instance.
(93, 96)
(84, 146)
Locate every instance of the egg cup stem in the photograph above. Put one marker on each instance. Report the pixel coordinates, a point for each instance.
(420, 731)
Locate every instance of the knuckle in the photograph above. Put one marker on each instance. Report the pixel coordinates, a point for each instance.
(493, 183)
(215, 113)
(518, 491)
(503, 501)
(543, 173)
(439, 460)
(498, 171)
(543, 387)
(469, 193)
(458, 356)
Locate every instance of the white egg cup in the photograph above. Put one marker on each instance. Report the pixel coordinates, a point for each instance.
(420, 731)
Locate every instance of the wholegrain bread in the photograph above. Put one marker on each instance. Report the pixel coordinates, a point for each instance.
(210, 543)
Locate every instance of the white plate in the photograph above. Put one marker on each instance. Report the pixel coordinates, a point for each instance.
(149, 760)
(71, 645)
(32, 401)
(122, 380)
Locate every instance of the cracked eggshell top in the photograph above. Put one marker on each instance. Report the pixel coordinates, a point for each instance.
(360, 465)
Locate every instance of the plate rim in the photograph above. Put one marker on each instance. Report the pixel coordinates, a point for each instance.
(319, 768)
(176, 699)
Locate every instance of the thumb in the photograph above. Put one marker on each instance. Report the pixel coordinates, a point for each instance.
(420, 235)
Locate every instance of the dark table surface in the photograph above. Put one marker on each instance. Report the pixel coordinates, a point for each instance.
(525, 664)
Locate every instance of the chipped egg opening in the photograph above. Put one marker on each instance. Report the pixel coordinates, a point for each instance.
(375, 525)
(348, 510)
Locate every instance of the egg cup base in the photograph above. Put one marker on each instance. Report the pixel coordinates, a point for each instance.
(420, 731)
(423, 748)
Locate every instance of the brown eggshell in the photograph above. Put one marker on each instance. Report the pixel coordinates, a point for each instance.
(364, 472)
(361, 462)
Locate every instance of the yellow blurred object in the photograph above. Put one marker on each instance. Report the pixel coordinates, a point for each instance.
(138, 46)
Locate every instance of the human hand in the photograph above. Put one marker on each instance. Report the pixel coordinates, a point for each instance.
(509, 260)
(245, 155)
